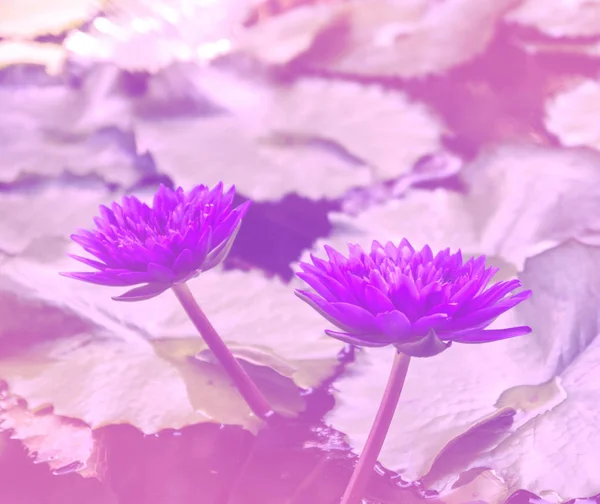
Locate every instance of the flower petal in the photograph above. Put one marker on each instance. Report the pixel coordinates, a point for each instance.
(427, 346)
(376, 301)
(395, 325)
(322, 307)
(485, 315)
(142, 293)
(334, 256)
(223, 231)
(356, 317)
(467, 291)
(90, 262)
(493, 294)
(488, 335)
(318, 286)
(99, 278)
(355, 340)
(161, 273)
(162, 255)
(428, 323)
(219, 253)
(135, 277)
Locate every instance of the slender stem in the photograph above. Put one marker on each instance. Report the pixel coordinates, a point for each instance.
(367, 459)
(247, 388)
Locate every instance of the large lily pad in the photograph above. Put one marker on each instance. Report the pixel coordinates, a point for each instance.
(70, 346)
(580, 18)
(571, 114)
(407, 39)
(514, 206)
(32, 18)
(317, 137)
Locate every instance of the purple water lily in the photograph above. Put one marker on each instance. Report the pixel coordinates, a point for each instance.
(181, 235)
(418, 302)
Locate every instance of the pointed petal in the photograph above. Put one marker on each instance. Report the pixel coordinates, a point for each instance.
(494, 294)
(162, 255)
(356, 317)
(99, 278)
(487, 335)
(190, 238)
(467, 291)
(184, 263)
(161, 273)
(90, 262)
(227, 227)
(355, 340)
(429, 322)
(219, 253)
(322, 307)
(334, 256)
(395, 325)
(427, 346)
(142, 293)
(318, 286)
(135, 277)
(202, 247)
(376, 301)
(486, 315)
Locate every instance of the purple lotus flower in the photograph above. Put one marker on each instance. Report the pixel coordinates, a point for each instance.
(181, 235)
(418, 302)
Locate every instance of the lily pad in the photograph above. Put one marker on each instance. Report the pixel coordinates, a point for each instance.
(513, 207)
(220, 148)
(153, 35)
(66, 446)
(578, 18)
(385, 130)
(281, 39)
(32, 18)
(72, 347)
(571, 114)
(62, 209)
(51, 56)
(407, 39)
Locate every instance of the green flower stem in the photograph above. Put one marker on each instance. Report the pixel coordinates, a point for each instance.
(367, 459)
(246, 387)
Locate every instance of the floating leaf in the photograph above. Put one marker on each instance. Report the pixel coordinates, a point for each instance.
(547, 378)
(66, 446)
(384, 129)
(576, 18)
(281, 39)
(407, 39)
(437, 218)
(49, 130)
(518, 195)
(149, 35)
(32, 18)
(559, 46)
(219, 148)
(484, 487)
(556, 450)
(514, 206)
(63, 112)
(29, 153)
(106, 363)
(572, 114)
(51, 56)
(37, 224)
